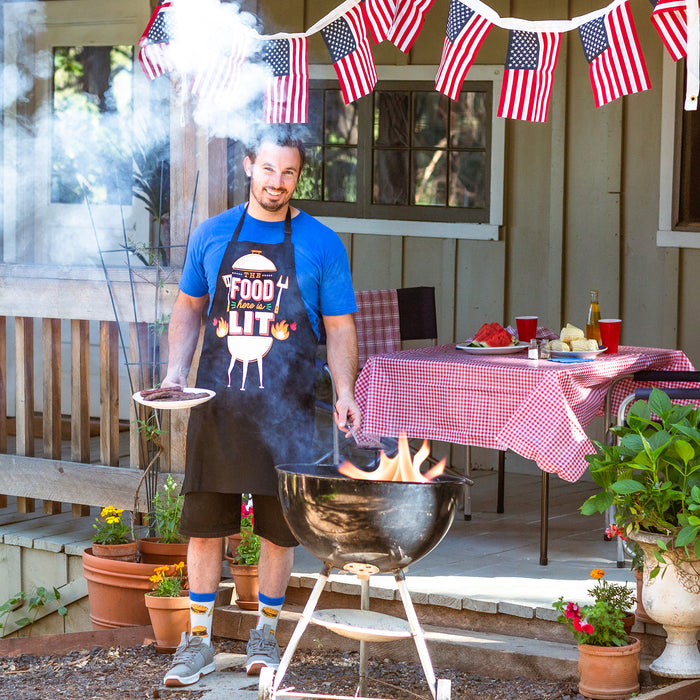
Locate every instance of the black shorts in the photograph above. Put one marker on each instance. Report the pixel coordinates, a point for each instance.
(206, 514)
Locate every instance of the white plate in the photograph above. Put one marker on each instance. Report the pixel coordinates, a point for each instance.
(502, 350)
(582, 354)
(181, 403)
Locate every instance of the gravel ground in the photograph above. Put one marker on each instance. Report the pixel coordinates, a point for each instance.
(131, 673)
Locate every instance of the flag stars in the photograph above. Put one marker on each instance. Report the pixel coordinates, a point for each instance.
(523, 50)
(458, 18)
(594, 38)
(276, 55)
(339, 39)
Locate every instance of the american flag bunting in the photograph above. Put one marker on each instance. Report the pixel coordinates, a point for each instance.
(380, 16)
(287, 91)
(466, 30)
(408, 21)
(348, 45)
(155, 54)
(527, 81)
(670, 17)
(611, 47)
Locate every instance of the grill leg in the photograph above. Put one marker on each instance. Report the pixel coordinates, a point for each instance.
(301, 625)
(467, 487)
(364, 657)
(416, 631)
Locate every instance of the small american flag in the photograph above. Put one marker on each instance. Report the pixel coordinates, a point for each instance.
(466, 30)
(347, 42)
(611, 47)
(380, 16)
(671, 22)
(408, 21)
(221, 70)
(287, 93)
(527, 81)
(154, 56)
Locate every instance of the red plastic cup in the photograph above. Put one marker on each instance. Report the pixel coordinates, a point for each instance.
(527, 328)
(610, 333)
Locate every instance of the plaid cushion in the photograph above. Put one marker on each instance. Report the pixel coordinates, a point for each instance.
(377, 321)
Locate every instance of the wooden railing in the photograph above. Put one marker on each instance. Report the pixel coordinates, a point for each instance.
(74, 467)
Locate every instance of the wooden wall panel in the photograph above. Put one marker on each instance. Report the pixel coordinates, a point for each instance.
(376, 262)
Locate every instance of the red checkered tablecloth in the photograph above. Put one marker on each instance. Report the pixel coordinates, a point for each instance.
(537, 409)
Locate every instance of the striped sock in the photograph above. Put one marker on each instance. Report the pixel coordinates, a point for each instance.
(202, 614)
(269, 612)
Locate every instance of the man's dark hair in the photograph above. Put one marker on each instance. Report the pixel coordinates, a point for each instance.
(283, 135)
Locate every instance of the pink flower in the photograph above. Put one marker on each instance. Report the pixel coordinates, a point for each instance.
(615, 531)
(572, 611)
(246, 510)
(587, 628)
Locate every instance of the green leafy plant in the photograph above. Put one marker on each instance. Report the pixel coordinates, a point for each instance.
(167, 512)
(652, 477)
(169, 581)
(248, 550)
(618, 595)
(110, 527)
(599, 624)
(29, 606)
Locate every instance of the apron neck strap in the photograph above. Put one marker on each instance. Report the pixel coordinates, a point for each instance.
(287, 225)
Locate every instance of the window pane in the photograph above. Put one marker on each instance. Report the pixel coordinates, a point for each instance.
(92, 97)
(390, 181)
(315, 119)
(431, 110)
(341, 119)
(309, 186)
(431, 178)
(468, 121)
(340, 175)
(391, 118)
(468, 180)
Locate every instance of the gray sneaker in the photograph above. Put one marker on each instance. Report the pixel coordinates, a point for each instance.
(193, 659)
(263, 651)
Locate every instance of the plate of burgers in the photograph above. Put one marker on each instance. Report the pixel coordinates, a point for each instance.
(173, 397)
(492, 339)
(573, 343)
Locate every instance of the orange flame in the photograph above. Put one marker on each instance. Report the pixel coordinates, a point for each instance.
(280, 330)
(222, 328)
(399, 468)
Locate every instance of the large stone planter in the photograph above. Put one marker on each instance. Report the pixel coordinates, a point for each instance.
(672, 598)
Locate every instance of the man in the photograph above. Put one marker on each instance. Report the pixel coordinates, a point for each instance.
(266, 273)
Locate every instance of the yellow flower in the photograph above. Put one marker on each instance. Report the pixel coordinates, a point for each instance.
(156, 578)
(180, 566)
(597, 573)
(160, 570)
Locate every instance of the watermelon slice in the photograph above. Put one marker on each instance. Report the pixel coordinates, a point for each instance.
(493, 335)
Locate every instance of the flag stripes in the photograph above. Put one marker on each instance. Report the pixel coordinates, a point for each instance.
(408, 21)
(671, 22)
(287, 94)
(380, 16)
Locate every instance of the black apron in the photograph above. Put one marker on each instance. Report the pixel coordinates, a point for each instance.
(258, 356)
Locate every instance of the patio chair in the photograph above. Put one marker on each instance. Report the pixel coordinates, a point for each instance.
(385, 319)
(653, 377)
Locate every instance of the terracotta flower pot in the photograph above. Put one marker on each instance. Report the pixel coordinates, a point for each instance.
(640, 613)
(609, 673)
(245, 579)
(118, 552)
(155, 552)
(116, 591)
(170, 617)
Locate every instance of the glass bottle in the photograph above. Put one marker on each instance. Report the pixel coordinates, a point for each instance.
(592, 329)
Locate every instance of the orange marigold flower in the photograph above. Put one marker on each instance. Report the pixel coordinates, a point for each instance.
(597, 573)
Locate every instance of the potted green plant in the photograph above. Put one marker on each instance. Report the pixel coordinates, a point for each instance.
(168, 546)
(651, 477)
(608, 656)
(168, 605)
(243, 561)
(113, 538)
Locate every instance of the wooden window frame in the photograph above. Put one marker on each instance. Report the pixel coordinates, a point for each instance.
(351, 219)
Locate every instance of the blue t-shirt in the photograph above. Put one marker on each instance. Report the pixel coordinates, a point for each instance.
(321, 261)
